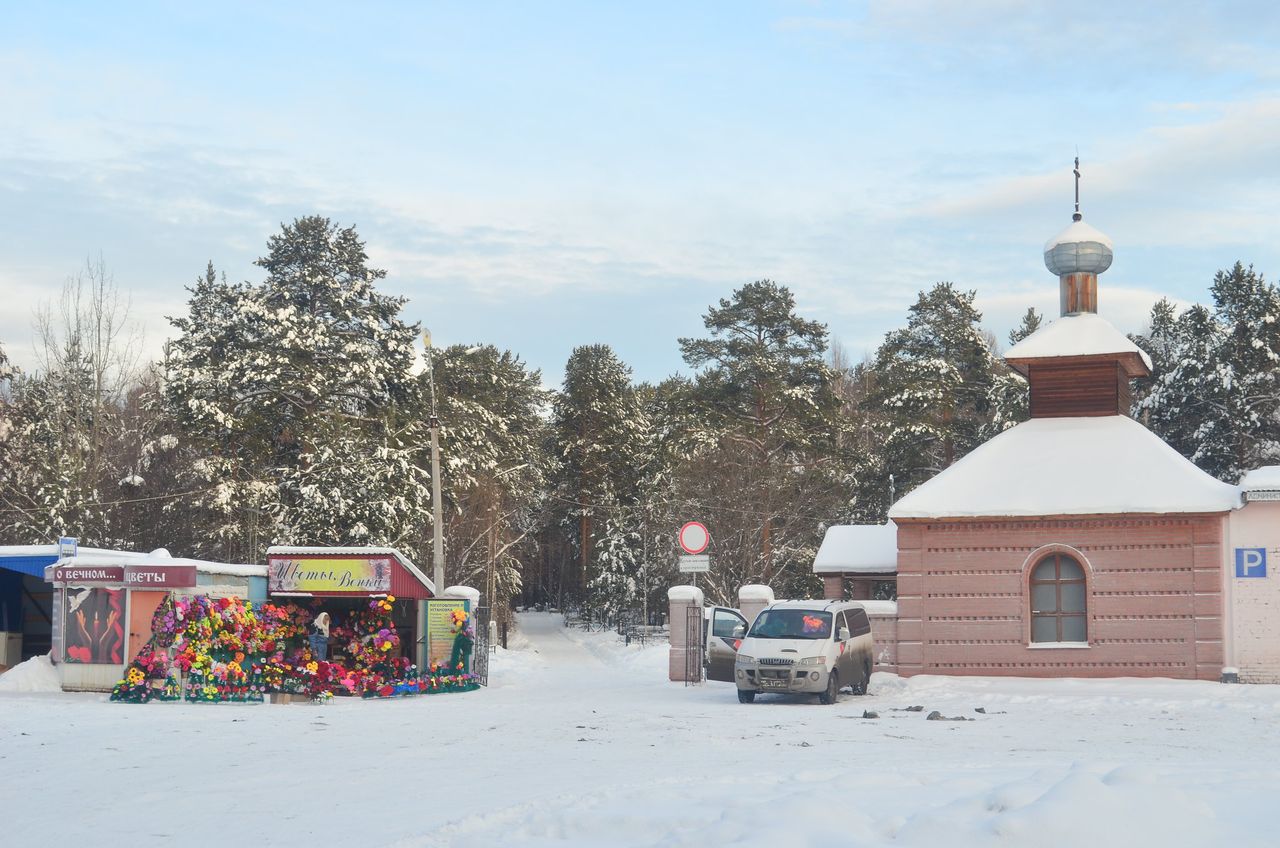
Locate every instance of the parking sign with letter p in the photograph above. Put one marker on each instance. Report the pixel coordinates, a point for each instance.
(1251, 562)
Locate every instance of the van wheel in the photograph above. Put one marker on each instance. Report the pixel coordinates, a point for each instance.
(860, 688)
(833, 689)
(746, 696)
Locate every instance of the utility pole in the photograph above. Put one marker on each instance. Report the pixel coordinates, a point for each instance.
(437, 522)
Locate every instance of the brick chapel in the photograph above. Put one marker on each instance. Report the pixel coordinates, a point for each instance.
(1075, 544)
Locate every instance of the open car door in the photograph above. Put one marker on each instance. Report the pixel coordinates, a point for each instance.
(728, 626)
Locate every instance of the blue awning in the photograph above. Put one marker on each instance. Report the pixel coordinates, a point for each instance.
(30, 564)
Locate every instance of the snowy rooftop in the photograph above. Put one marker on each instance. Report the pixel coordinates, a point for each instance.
(1069, 466)
(102, 554)
(91, 557)
(858, 548)
(1264, 479)
(1082, 334)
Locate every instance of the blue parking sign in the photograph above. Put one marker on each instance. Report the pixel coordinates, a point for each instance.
(1251, 562)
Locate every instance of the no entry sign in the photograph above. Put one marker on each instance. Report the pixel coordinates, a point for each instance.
(694, 537)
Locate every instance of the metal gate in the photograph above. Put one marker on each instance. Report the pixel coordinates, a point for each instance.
(480, 663)
(694, 645)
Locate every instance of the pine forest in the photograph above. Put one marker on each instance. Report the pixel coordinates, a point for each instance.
(289, 411)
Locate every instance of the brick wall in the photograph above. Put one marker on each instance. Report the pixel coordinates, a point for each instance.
(1154, 596)
(1255, 601)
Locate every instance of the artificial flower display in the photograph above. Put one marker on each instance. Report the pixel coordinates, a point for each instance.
(232, 650)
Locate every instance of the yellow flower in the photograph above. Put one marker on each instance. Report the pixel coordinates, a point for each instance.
(391, 599)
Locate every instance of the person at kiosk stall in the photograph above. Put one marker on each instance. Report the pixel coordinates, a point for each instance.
(320, 637)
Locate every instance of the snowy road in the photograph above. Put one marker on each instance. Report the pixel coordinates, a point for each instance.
(581, 741)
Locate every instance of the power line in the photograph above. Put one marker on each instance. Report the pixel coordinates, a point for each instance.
(84, 504)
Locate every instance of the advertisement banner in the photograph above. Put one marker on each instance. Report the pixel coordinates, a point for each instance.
(353, 575)
(440, 633)
(93, 626)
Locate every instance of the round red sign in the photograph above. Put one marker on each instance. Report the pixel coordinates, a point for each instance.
(694, 537)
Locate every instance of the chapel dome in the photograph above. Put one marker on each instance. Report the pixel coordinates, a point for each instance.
(1078, 249)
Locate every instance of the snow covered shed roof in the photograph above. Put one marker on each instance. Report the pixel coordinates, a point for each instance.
(1080, 334)
(87, 557)
(32, 559)
(1262, 484)
(858, 549)
(1069, 466)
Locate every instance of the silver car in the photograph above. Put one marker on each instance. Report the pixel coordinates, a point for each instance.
(815, 647)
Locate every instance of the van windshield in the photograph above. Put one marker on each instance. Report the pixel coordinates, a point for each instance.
(791, 624)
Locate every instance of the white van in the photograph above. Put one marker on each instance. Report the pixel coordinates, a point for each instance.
(805, 646)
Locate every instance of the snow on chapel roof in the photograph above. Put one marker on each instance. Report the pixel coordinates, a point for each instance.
(858, 548)
(1081, 334)
(1078, 232)
(1069, 466)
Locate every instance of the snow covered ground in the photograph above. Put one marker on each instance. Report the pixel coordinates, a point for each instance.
(581, 741)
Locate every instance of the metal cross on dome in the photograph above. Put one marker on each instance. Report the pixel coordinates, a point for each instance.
(1076, 171)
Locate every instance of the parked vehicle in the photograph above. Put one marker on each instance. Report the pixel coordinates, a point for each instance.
(805, 647)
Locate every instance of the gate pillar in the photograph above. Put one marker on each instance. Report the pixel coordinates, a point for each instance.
(685, 652)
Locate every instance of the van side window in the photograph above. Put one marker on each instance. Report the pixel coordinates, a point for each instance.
(841, 621)
(724, 622)
(859, 623)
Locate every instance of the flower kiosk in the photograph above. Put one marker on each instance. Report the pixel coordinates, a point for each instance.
(104, 602)
(358, 622)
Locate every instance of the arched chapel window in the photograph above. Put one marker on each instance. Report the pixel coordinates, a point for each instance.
(1058, 600)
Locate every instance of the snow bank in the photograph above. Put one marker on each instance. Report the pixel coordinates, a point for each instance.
(35, 675)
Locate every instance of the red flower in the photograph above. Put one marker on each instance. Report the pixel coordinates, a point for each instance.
(78, 653)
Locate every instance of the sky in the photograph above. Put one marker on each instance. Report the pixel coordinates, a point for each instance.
(545, 175)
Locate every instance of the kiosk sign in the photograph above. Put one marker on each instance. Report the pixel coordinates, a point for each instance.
(159, 576)
(363, 576)
(83, 574)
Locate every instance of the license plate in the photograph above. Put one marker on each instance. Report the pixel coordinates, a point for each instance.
(774, 684)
